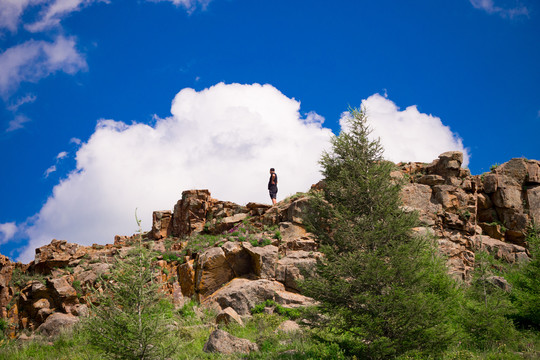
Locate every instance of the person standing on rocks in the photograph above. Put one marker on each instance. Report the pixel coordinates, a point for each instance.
(272, 185)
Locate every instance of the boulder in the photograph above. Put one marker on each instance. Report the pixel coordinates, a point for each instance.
(238, 258)
(228, 316)
(222, 342)
(297, 210)
(290, 268)
(56, 322)
(190, 212)
(243, 294)
(263, 259)
(58, 253)
(186, 278)
(212, 271)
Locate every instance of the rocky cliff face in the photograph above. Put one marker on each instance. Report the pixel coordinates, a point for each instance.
(233, 257)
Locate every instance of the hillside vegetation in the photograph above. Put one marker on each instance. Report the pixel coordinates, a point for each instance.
(378, 261)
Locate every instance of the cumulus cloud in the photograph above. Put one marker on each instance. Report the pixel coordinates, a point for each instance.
(34, 60)
(17, 123)
(224, 138)
(7, 231)
(490, 7)
(409, 135)
(75, 141)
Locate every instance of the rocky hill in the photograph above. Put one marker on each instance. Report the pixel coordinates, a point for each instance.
(232, 257)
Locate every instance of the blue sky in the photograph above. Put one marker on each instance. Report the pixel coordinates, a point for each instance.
(108, 106)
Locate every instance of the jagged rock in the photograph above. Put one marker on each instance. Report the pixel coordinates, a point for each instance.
(222, 342)
(297, 210)
(292, 300)
(212, 272)
(227, 316)
(533, 199)
(501, 250)
(289, 269)
(56, 322)
(256, 209)
(57, 254)
(263, 259)
(186, 278)
(238, 258)
(161, 224)
(190, 212)
(533, 172)
(243, 294)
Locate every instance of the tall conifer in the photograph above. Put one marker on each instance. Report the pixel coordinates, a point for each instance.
(380, 286)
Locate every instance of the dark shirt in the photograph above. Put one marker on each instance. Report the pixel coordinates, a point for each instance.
(272, 186)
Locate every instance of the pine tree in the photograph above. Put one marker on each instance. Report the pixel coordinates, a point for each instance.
(379, 286)
(129, 319)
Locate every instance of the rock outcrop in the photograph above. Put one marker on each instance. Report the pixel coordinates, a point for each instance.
(231, 257)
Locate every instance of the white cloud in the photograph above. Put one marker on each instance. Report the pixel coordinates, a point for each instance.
(7, 231)
(34, 60)
(27, 99)
(224, 138)
(17, 123)
(409, 135)
(52, 14)
(49, 171)
(490, 7)
(75, 141)
(61, 155)
(189, 5)
(11, 11)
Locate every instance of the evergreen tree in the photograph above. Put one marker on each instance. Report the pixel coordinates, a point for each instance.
(129, 320)
(382, 288)
(525, 294)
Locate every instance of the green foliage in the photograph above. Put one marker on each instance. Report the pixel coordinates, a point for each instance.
(486, 308)
(525, 282)
(494, 166)
(277, 235)
(289, 313)
(171, 256)
(130, 320)
(384, 290)
(19, 278)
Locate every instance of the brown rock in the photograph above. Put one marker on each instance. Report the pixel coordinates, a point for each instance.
(290, 268)
(533, 200)
(238, 259)
(190, 212)
(499, 249)
(186, 278)
(298, 210)
(228, 316)
(212, 272)
(491, 183)
(161, 224)
(243, 294)
(56, 322)
(533, 172)
(264, 260)
(508, 198)
(431, 180)
(58, 253)
(222, 342)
